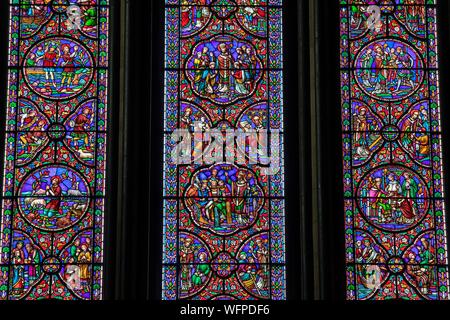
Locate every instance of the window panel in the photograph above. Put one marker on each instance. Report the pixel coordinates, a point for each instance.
(393, 184)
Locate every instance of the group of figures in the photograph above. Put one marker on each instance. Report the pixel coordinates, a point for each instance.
(196, 14)
(195, 268)
(254, 260)
(222, 70)
(26, 269)
(252, 125)
(412, 131)
(415, 264)
(254, 18)
(77, 270)
(82, 13)
(224, 198)
(58, 67)
(420, 267)
(196, 120)
(220, 55)
(250, 267)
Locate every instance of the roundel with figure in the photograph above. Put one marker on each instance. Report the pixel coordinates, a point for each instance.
(53, 198)
(224, 198)
(389, 70)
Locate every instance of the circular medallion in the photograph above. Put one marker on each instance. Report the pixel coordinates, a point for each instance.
(53, 198)
(390, 133)
(224, 198)
(58, 68)
(389, 70)
(224, 265)
(224, 9)
(393, 198)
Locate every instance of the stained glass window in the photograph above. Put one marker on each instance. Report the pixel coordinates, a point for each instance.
(55, 150)
(223, 219)
(396, 240)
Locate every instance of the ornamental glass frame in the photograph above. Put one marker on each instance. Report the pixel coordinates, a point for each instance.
(395, 217)
(223, 70)
(53, 196)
